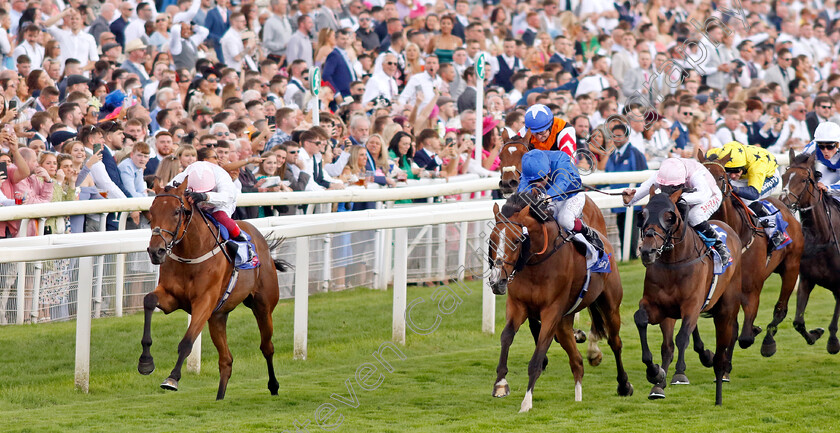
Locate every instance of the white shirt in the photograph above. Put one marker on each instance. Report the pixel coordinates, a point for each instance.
(175, 46)
(380, 85)
(36, 53)
(80, 46)
(136, 29)
(309, 167)
(593, 83)
(223, 196)
(232, 46)
(427, 85)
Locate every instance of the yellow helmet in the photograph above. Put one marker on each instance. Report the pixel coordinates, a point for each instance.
(737, 154)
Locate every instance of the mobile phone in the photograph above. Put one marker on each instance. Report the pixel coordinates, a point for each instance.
(12, 105)
(777, 110)
(96, 148)
(3, 170)
(450, 141)
(271, 120)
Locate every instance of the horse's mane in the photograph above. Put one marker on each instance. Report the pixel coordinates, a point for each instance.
(515, 203)
(712, 157)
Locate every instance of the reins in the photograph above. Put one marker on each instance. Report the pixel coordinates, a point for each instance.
(176, 238)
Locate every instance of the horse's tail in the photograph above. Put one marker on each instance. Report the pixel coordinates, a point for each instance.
(280, 264)
(599, 326)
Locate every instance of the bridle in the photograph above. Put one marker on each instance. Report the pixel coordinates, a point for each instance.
(809, 179)
(523, 260)
(726, 188)
(175, 238)
(669, 240)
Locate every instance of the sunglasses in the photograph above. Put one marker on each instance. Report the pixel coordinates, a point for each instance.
(212, 80)
(825, 107)
(222, 134)
(390, 63)
(827, 146)
(292, 152)
(686, 113)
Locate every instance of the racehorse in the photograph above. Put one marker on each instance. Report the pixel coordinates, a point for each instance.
(680, 284)
(511, 168)
(548, 289)
(820, 215)
(194, 275)
(784, 262)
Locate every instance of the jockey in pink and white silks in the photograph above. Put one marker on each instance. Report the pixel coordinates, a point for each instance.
(700, 193)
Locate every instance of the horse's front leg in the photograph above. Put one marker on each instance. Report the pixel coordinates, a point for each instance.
(200, 313)
(516, 315)
(152, 300)
(655, 373)
(549, 319)
(689, 324)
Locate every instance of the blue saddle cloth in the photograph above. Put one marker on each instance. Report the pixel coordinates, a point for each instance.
(719, 266)
(602, 265)
(246, 257)
(780, 223)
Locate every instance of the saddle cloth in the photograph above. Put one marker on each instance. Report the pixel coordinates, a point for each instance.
(719, 266)
(245, 257)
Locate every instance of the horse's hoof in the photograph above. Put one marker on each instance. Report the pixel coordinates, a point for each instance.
(595, 358)
(768, 349)
(625, 390)
(658, 377)
(580, 336)
(656, 393)
(746, 341)
(169, 384)
(756, 330)
(707, 358)
(501, 389)
(527, 403)
(816, 334)
(725, 378)
(146, 368)
(679, 379)
(833, 345)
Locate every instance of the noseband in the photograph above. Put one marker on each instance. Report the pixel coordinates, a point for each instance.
(795, 205)
(175, 237)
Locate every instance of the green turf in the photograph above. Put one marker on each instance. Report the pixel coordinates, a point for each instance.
(443, 385)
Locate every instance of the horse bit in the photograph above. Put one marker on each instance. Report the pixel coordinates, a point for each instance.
(157, 231)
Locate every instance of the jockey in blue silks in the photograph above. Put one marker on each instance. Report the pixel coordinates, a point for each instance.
(824, 146)
(554, 173)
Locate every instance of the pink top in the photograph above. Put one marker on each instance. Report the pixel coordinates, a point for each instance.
(9, 189)
(496, 163)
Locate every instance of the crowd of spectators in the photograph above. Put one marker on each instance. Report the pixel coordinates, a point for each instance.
(106, 99)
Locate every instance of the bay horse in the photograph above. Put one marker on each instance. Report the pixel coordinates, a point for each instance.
(511, 169)
(820, 215)
(194, 275)
(548, 289)
(785, 262)
(680, 284)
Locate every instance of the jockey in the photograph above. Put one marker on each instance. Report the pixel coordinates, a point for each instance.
(555, 174)
(824, 146)
(549, 132)
(701, 194)
(209, 187)
(762, 175)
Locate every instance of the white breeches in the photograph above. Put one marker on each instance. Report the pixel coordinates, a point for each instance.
(567, 210)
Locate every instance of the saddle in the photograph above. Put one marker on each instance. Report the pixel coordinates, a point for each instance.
(243, 254)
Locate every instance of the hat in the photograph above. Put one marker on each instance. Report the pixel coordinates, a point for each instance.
(443, 100)
(76, 79)
(827, 132)
(109, 45)
(134, 45)
(488, 124)
(57, 138)
(702, 98)
(203, 109)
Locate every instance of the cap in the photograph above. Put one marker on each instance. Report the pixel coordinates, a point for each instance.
(72, 80)
(443, 100)
(109, 46)
(203, 109)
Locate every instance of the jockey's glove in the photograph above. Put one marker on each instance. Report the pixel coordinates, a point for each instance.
(197, 197)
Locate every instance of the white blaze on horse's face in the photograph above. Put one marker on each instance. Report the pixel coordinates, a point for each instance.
(496, 270)
(511, 149)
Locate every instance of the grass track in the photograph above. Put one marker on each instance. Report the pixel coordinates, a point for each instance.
(443, 385)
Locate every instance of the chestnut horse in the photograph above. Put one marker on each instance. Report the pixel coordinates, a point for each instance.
(784, 262)
(548, 289)
(194, 275)
(511, 168)
(820, 215)
(680, 284)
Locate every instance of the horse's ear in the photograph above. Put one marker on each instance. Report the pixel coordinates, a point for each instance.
(725, 158)
(527, 139)
(676, 195)
(496, 211)
(183, 186)
(791, 155)
(811, 158)
(701, 156)
(156, 187)
(505, 136)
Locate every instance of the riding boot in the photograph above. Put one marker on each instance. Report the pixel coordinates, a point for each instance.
(768, 222)
(591, 236)
(710, 236)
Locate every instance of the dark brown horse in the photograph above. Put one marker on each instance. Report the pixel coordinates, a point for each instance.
(194, 275)
(820, 215)
(547, 288)
(785, 262)
(680, 284)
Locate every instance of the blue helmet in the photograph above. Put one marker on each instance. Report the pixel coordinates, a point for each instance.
(538, 118)
(535, 166)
